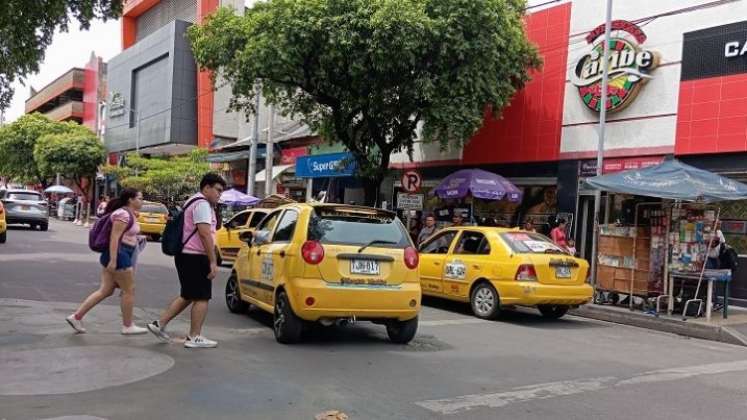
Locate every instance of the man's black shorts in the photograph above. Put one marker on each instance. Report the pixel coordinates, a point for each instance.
(193, 270)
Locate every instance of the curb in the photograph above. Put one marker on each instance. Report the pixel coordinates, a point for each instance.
(722, 334)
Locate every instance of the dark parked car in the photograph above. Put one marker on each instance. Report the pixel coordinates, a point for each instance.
(26, 207)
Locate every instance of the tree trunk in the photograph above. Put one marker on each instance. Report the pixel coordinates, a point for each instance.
(371, 188)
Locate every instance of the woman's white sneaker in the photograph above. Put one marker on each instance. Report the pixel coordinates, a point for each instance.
(76, 324)
(199, 342)
(133, 330)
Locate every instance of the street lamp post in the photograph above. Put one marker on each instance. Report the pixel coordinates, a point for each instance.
(600, 144)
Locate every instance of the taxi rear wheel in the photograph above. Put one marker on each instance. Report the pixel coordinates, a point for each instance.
(402, 332)
(218, 258)
(233, 296)
(286, 325)
(3, 237)
(485, 301)
(553, 311)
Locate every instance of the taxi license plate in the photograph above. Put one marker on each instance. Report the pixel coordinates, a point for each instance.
(153, 220)
(364, 267)
(25, 208)
(563, 272)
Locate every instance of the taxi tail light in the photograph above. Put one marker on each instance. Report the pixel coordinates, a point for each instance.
(312, 252)
(411, 258)
(526, 272)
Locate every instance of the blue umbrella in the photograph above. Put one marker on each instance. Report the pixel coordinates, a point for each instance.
(479, 184)
(234, 197)
(673, 180)
(58, 189)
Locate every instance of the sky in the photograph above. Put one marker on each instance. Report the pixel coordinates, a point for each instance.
(73, 49)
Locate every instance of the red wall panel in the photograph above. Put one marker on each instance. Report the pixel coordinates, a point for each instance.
(711, 115)
(529, 130)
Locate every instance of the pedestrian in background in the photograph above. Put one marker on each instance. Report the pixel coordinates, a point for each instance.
(196, 265)
(529, 225)
(117, 261)
(101, 209)
(427, 230)
(558, 234)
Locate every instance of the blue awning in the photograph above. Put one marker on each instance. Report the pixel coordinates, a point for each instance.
(672, 180)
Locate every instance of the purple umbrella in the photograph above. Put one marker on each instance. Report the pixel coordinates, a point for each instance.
(478, 183)
(237, 198)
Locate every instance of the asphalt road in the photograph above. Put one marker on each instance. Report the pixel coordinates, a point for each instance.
(520, 367)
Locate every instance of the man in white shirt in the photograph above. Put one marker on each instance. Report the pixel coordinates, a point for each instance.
(196, 264)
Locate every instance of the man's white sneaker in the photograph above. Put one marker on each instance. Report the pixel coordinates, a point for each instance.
(133, 330)
(199, 342)
(76, 324)
(159, 332)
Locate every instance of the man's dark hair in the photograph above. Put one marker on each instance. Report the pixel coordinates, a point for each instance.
(210, 179)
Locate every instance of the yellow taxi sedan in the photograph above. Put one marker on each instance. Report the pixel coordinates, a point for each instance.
(152, 219)
(493, 268)
(331, 264)
(227, 238)
(3, 225)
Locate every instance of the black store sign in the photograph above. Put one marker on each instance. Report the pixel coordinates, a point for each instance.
(712, 52)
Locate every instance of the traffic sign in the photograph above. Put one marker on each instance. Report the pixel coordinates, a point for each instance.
(411, 181)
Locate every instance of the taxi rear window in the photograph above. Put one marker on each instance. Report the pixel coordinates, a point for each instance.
(530, 243)
(352, 228)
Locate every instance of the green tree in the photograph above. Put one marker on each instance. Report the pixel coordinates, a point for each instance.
(368, 73)
(164, 179)
(75, 154)
(17, 143)
(27, 28)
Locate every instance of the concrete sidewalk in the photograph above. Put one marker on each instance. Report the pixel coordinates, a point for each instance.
(732, 330)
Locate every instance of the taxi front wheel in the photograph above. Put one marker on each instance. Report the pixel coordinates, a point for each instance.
(485, 301)
(402, 332)
(553, 311)
(286, 325)
(3, 237)
(233, 296)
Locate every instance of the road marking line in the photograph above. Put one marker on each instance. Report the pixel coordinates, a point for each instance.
(442, 322)
(572, 387)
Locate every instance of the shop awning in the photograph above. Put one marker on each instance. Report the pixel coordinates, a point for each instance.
(227, 157)
(276, 171)
(672, 180)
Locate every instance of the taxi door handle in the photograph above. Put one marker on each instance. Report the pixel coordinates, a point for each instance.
(281, 254)
(475, 266)
(436, 263)
(259, 252)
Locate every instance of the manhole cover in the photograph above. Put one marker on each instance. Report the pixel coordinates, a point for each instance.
(68, 370)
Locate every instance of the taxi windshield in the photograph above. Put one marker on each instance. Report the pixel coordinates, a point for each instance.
(154, 208)
(530, 243)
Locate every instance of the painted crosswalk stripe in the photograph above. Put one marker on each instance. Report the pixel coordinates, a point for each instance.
(573, 387)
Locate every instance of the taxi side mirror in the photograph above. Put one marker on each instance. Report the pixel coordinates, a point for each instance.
(262, 237)
(246, 237)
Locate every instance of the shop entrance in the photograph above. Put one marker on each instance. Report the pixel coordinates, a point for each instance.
(585, 226)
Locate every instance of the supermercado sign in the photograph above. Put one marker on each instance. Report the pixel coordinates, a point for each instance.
(324, 166)
(630, 66)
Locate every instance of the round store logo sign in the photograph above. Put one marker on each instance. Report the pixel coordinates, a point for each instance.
(630, 67)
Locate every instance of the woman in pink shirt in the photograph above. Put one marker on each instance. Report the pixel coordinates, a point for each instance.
(118, 271)
(558, 234)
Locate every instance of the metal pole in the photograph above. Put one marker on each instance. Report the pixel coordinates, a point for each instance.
(269, 152)
(137, 138)
(600, 145)
(252, 174)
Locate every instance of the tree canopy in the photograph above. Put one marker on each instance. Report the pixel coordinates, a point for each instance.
(165, 179)
(368, 73)
(17, 143)
(75, 154)
(27, 28)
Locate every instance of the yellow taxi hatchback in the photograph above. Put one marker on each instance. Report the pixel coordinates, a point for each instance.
(227, 238)
(152, 219)
(493, 268)
(3, 225)
(330, 264)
